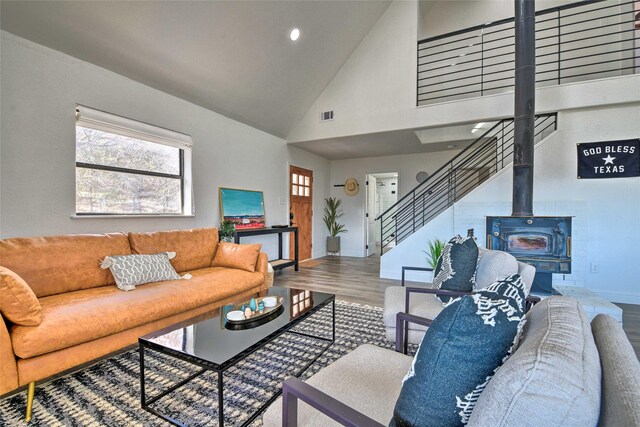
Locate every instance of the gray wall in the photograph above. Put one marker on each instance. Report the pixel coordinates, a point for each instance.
(39, 90)
(406, 165)
(605, 211)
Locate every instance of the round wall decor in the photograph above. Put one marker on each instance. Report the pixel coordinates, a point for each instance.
(351, 187)
(422, 176)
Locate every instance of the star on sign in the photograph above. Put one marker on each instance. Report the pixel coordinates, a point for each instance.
(608, 159)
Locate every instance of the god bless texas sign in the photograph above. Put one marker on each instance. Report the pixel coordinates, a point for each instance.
(612, 159)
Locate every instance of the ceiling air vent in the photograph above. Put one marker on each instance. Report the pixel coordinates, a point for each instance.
(326, 116)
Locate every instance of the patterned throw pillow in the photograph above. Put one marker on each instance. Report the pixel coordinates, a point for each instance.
(132, 270)
(456, 267)
(512, 287)
(462, 349)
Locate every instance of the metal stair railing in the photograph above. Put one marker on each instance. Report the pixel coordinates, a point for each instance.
(586, 40)
(483, 158)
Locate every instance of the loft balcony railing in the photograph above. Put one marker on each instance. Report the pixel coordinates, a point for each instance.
(482, 159)
(575, 42)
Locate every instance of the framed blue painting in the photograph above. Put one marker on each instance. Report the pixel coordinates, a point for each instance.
(245, 208)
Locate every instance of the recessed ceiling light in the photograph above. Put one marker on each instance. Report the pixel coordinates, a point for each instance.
(294, 34)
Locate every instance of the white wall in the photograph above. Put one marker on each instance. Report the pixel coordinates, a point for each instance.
(378, 78)
(407, 166)
(606, 211)
(441, 17)
(410, 251)
(39, 91)
(375, 90)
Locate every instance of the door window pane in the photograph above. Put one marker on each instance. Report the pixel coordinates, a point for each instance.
(294, 178)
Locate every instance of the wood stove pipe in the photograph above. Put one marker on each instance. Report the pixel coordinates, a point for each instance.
(524, 115)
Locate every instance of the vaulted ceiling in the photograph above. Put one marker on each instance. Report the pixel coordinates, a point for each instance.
(233, 57)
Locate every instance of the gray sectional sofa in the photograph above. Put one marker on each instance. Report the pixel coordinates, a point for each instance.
(565, 372)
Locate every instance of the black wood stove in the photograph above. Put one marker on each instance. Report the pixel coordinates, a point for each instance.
(544, 242)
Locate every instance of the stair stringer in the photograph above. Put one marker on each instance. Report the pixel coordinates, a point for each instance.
(409, 252)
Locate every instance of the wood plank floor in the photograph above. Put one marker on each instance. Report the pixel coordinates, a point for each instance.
(357, 280)
(351, 279)
(631, 324)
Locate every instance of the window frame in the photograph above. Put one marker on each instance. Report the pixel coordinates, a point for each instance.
(118, 125)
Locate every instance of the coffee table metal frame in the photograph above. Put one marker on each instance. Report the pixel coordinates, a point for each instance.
(221, 368)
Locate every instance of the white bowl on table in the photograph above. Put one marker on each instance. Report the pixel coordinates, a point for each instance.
(270, 301)
(235, 315)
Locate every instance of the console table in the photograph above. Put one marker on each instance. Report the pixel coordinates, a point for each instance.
(280, 263)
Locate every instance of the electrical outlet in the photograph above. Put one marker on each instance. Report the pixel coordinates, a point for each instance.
(595, 268)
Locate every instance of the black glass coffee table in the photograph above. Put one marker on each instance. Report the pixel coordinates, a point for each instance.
(216, 345)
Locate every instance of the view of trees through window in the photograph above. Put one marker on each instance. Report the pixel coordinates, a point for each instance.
(117, 174)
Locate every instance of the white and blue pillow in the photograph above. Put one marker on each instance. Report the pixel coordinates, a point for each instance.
(132, 270)
(456, 267)
(462, 349)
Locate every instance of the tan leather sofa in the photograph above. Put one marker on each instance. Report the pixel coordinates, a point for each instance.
(85, 316)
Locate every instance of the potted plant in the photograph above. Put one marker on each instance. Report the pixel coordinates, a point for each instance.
(332, 212)
(227, 229)
(435, 251)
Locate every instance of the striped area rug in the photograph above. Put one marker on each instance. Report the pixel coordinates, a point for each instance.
(108, 392)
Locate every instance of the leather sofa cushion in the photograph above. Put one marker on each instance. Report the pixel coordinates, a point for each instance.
(194, 248)
(232, 255)
(58, 264)
(77, 317)
(18, 303)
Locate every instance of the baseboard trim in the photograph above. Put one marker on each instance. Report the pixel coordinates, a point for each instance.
(355, 254)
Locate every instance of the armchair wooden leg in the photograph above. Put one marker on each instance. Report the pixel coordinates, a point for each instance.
(30, 393)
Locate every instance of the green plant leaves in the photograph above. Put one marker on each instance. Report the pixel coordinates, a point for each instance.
(434, 252)
(332, 212)
(227, 228)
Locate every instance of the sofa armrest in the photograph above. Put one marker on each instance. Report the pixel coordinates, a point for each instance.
(406, 268)
(8, 365)
(262, 264)
(294, 389)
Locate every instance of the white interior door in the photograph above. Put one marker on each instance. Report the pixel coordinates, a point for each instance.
(370, 214)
